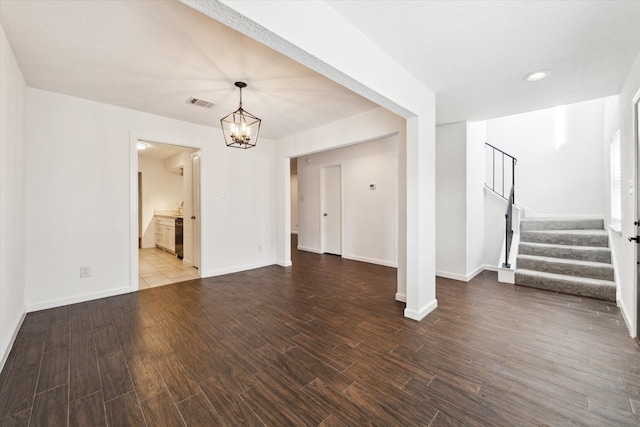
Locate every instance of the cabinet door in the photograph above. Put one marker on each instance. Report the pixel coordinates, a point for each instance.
(170, 238)
(159, 233)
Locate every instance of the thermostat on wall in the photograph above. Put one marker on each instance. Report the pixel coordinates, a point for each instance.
(372, 186)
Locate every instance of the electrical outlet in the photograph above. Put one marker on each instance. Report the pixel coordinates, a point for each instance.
(85, 271)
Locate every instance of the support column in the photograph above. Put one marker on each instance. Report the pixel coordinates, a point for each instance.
(420, 204)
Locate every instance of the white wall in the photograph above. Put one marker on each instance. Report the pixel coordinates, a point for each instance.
(81, 197)
(451, 200)
(161, 189)
(460, 200)
(369, 229)
(12, 197)
(559, 152)
(624, 251)
(476, 137)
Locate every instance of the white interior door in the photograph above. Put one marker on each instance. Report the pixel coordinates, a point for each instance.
(331, 210)
(195, 216)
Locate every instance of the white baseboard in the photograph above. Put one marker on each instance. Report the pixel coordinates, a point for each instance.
(625, 315)
(401, 297)
(238, 268)
(7, 345)
(420, 314)
(294, 232)
(79, 298)
(284, 263)
(307, 249)
(187, 262)
(460, 277)
(454, 276)
(370, 260)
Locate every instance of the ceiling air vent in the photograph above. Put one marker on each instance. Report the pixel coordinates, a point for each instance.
(199, 102)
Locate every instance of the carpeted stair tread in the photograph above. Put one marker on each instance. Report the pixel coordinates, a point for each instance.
(598, 238)
(562, 224)
(593, 288)
(569, 267)
(585, 253)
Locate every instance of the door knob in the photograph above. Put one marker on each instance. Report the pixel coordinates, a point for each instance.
(634, 239)
(193, 217)
(325, 214)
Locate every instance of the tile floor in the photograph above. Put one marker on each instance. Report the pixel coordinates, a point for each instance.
(158, 268)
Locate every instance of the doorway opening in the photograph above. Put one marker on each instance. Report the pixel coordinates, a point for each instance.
(168, 214)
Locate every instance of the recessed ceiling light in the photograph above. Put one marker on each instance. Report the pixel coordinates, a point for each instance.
(142, 145)
(536, 75)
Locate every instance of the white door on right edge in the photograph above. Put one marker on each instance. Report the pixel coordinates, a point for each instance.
(331, 210)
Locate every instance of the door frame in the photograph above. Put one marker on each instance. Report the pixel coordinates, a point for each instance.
(197, 210)
(635, 119)
(321, 171)
(134, 283)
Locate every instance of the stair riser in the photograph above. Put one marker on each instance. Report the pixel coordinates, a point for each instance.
(565, 239)
(567, 286)
(576, 224)
(600, 272)
(596, 255)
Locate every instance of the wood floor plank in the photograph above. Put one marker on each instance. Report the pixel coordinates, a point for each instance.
(243, 354)
(57, 336)
(84, 377)
(197, 411)
(443, 420)
(87, 411)
(331, 421)
(124, 411)
(325, 355)
(21, 419)
(329, 375)
(295, 398)
(51, 408)
(54, 370)
(341, 407)
(232, 409)
(269, 409)
(286, 364)
(146, 378)
(30, 350)
(106, 340)
(180, 384)
(18, 393)
(161, 411)
(388, 408)
(228, 375)
(114, 375)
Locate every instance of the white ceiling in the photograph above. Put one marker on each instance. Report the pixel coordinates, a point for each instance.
(474, 54)
(153, 55)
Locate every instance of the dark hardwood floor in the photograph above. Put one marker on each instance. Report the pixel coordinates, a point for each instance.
(323, 344)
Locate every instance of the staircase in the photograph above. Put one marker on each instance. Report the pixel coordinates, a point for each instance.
(565, 255)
